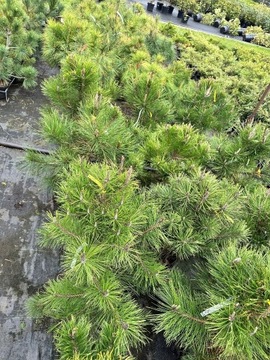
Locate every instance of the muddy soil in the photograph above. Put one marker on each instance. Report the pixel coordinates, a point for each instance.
(24, 200)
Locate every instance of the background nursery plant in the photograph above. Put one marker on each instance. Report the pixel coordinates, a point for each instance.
(161, 187)
(17, 44)
(21, 24)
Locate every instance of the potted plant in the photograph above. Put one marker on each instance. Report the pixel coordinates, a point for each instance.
(230, 27)
(252, 32)
(241, 31)
(4, 87)
(219, 18)
(197, 17)
(248, 37)
(180, 14)
(206, 6)
(18, 43)
(159, 5)
(170, 9)
(185, 18)
(234, 25)
(165, 9)
(225, 29)
(186, 7)
(171, 6)
(150, 6)
(20, 34)
(208, 19)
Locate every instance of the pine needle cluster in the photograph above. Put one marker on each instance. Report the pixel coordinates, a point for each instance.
(103, 226)
(227, 317)
(201, 212)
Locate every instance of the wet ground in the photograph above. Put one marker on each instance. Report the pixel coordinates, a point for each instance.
(24, 200)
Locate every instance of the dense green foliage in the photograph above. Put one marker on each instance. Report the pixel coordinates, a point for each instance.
(246, 15)
(234, 297)
(249, 12)
(21, 24)
(155, 170)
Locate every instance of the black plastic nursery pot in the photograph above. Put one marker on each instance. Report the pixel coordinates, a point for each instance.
(184, 19)
(224, 29)
(180, 14)
(216, 23)
(150, 7)
(197, 17)
(4, 89)
(245, 23)
(241, 31)
(170, 9)
(2, 93)
(159, 6)
(165, 9)
(190, 13)
(16, 80)
(248, 37)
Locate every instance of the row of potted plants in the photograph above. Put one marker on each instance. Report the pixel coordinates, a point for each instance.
(253, 34)
(217, 19)
(249, 14)
(185, 8)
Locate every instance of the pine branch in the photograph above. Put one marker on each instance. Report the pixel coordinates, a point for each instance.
(262, 98)
(152, 227)
(175, 308)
